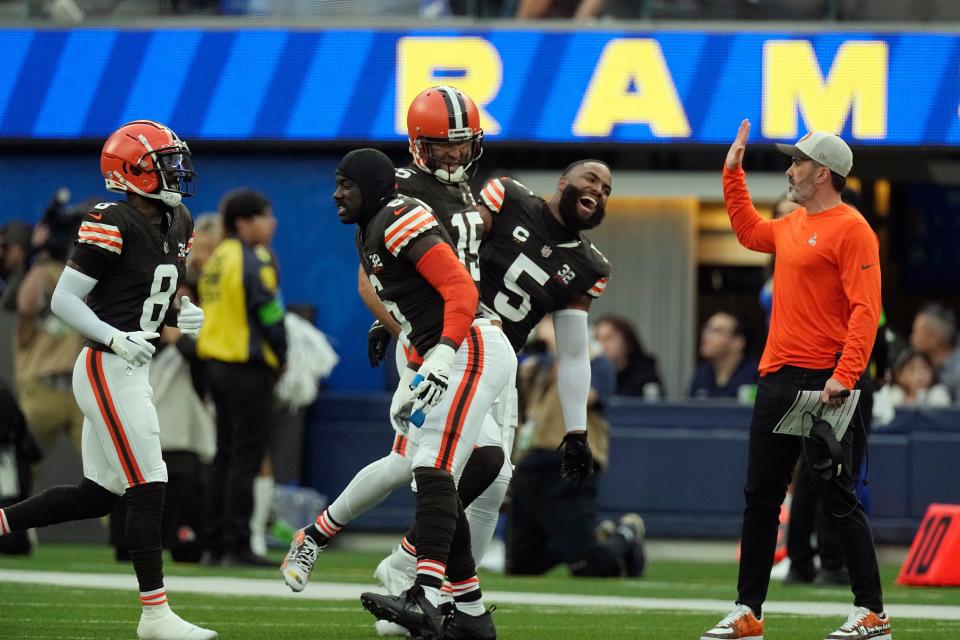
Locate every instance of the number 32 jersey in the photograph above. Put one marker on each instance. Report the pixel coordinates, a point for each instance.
(531, 264)
(137, 263)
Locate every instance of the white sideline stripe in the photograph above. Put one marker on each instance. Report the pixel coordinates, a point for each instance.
(226, 586)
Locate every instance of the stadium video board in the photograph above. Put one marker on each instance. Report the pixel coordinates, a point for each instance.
(531, 85)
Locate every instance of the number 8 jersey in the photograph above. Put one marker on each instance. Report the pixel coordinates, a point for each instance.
(532, 265)
(138, 264)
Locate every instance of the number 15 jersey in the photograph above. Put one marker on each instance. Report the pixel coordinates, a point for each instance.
(138, 264)
(530, 264)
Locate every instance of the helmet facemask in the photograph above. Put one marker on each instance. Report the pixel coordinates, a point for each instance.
(422, 156)
(171, 167)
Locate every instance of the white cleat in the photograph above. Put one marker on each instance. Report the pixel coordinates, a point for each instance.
(394, 580)
(170, 626)
(387, 628)
(299, 562)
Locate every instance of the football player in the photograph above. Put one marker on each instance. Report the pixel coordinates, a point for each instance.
(407, 257)
(117, 290)
(534, 260)
(445, 141)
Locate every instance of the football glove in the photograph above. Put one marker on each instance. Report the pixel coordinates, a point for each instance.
(428, 386)
(378, 338)
(433, 377)
(133, 346)
(400, 414)
(577, 463)
(190, 318)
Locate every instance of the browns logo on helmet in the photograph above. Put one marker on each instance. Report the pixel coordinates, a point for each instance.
(148, 158)
(444, 115)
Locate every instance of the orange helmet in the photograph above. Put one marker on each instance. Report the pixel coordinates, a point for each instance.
(443, 115)
(148, 158)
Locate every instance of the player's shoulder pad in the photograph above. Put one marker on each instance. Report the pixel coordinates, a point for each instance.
(403, 203)
(496, 191)
(407, 219)
(602, 267)
(103, 227)
(182, 210)
(407, 173)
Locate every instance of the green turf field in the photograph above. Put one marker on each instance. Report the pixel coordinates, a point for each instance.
(38, 611)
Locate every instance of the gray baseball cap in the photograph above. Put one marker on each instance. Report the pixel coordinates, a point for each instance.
(825, 148)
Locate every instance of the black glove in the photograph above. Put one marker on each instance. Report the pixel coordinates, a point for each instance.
(577, 464)
(377, 340)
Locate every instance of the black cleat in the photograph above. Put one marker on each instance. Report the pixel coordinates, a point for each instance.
(461, 626)
(410, 610)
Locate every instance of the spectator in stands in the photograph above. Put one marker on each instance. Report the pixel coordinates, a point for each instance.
(725, 367)
(45, 348)
(551, 522)
(245, 344)
(934, 334)
(15, 248)
(576, 9)
(914, 385)
(207, 234)
(18, 450)
(636, 369)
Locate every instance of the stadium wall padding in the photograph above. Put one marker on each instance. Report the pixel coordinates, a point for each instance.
(680, 465)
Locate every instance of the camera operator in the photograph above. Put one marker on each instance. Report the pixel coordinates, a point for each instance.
(44, 347)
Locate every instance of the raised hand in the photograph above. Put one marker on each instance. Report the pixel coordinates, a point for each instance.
(735, 154)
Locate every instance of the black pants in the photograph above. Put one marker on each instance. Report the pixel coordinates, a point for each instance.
(771, 461)
(806, 513)
(243, 396)
(551, 522)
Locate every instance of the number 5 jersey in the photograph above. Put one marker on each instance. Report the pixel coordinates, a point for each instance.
(531, 264)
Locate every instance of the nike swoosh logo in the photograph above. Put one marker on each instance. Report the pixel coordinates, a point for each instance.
(866, 266)
(96, 216)
(401, 210)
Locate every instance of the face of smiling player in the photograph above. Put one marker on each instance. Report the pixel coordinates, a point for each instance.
(584, 191)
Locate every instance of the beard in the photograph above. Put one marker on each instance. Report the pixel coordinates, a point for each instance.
(799, 192)
(571, 217)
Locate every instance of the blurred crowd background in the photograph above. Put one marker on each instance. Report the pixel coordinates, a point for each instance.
(677, 336)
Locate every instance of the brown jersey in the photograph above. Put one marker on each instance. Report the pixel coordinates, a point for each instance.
(138, 263)
(531, 264)
(454, 207)
(384, 244)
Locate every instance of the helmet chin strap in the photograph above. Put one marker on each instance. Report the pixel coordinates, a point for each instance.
(169, 198)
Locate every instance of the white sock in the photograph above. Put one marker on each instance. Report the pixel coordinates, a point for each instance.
(432, 594)
(371, 486)
(262, 504)
(4, 527)
(155, 602)
(474, 608)
(484, 512)
(404, 558)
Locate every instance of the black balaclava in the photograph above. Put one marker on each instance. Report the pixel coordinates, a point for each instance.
(375, 176)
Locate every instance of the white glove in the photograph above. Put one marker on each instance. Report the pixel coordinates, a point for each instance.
(426, 389)
(133, 347)
(400, 422)
(190, 318)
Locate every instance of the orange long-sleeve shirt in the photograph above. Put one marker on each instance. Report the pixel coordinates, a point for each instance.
(826, 283)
